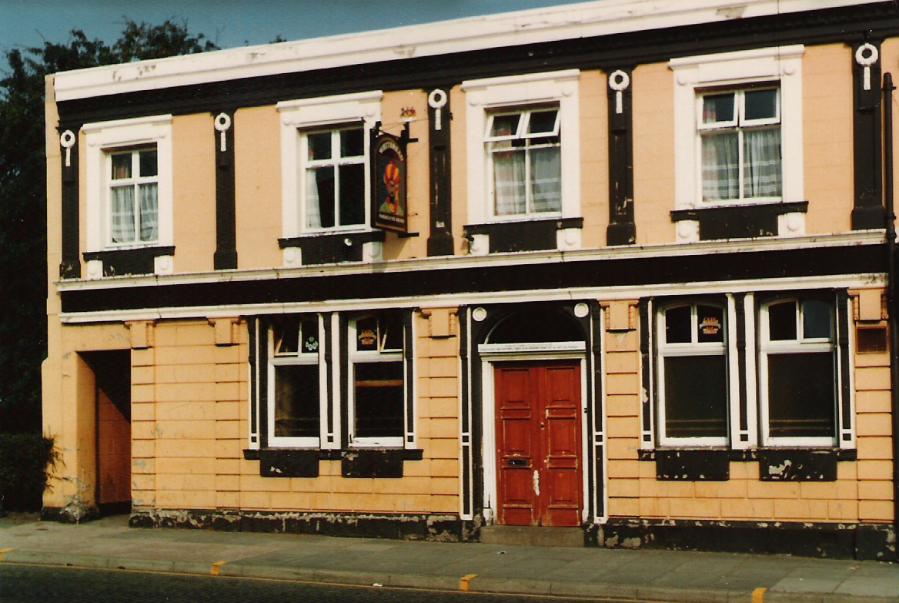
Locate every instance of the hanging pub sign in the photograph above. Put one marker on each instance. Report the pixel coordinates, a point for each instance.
(389, 211)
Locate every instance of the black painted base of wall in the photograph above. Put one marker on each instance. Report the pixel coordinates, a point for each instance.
(442, 528)
(839, 541)
(70, 514)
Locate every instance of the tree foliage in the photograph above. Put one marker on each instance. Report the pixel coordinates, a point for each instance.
(23, 236)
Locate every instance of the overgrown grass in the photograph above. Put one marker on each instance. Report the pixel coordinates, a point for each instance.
(25, 462)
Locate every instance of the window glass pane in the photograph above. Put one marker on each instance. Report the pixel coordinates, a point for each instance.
(677, 325)
(720, 166)
(762, 163)
(505, 125)
(710, 324)
(351, 144)
(367, 334)
(816, 319)
(536, 324)
(782, 321)
(801, 395)
(352, 194)
(508, 183)
(122, 214)
(718, 107)
(309, 333)
(319, 145)
(320, 197)
(296, 401)
(695, 396)
(546, 179)
(760, 104)
(148, 212)
(378, 391)
(121, 166)
(148, 165)
(391, 332)
(542, 122)
(286, 333)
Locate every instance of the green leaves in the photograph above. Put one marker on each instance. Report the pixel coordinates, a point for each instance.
(23, 184)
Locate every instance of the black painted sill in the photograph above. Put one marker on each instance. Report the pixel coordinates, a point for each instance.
(355, 236)
(131, 260)
(407, 454)
(752, 454)
(742, 221)
(522, 235)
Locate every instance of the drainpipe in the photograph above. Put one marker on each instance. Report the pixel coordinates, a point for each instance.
(891, 283)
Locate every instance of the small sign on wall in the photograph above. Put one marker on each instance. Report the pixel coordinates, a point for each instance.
(389, 211)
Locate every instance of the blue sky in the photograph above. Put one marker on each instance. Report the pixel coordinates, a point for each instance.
(231, 23)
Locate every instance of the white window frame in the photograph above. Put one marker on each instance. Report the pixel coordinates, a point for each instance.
(739, 125)
(317, 114)
(520, 134)
(780, 66)
(334, 163)
(102, 139)
(678, 350)
(511, 94)
(800, 345)
(300, 358)
(369, 356)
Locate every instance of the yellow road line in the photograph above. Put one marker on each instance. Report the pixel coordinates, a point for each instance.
(216, 568)
(465, 581)
(3, 553)
(758, 595)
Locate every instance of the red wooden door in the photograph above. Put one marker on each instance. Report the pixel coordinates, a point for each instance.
(538, 443)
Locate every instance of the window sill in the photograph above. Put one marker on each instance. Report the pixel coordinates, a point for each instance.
(775, 464)
(740, 220)
(331, 247)
(303, 462)
(129, 260)
(524, 234)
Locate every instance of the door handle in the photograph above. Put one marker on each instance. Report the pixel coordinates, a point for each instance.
(536, 478)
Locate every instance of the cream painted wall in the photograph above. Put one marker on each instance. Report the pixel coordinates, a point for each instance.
(594, 135)
(459, 160)
(193, 174)
(827, 133)
(257, 153)
(653, 106)
(889, 61)
(417, 172)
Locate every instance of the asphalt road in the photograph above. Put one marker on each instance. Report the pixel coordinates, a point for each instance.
(38, 584)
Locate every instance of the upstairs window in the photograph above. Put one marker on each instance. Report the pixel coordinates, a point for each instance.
(295, 377)
(333, 169)
(739, 135)
(133, 196)
(377, 380)
(524, 156)
(693, 379)
(798, 373)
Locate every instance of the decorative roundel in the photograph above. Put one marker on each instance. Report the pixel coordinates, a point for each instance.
(222, 122)
(866, 55)
(479, 314)
(581, 310)
(619, 80)
(437, 99)
(67, 139)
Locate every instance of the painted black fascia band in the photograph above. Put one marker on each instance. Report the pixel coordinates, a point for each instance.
(603, 272)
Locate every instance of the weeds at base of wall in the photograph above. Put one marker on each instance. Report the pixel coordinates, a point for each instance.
(25, 462)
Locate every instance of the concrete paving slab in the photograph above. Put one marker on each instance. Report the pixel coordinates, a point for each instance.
(627, 575)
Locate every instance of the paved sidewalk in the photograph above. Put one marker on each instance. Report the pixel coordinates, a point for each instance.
(587, 572)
